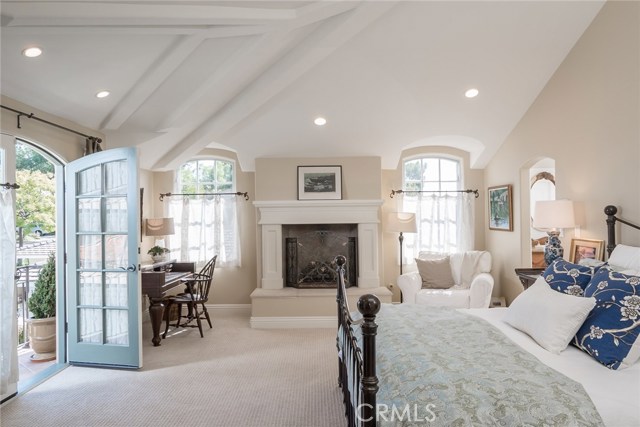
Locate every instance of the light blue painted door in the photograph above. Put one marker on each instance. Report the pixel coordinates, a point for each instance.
(104, 313)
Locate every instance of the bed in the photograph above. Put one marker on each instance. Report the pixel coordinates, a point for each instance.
(469, 367)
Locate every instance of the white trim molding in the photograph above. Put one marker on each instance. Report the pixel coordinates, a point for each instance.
(275, 214)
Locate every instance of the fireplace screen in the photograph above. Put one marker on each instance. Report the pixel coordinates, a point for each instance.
(310, 252)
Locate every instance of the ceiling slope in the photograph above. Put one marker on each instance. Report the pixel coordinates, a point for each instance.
(250, 76)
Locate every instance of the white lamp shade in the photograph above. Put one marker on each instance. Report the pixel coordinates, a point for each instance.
(159, 227)
(401, 222)
(554, 214)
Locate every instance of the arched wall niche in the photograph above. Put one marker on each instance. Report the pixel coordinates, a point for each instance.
(537, 183)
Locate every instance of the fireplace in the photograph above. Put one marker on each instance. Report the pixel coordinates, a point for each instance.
(354, 224)
(360, 216)
(310, 251)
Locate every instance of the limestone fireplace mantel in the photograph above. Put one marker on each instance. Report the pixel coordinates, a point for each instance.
(274, 214)
(275, 306)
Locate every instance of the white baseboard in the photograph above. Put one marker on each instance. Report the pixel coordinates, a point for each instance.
(225, 309)
(243, 309)
(294, 322)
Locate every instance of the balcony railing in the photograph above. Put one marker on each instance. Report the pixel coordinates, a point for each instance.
(25, 278)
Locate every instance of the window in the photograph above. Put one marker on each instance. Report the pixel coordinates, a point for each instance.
(444, 216)
(206, 225)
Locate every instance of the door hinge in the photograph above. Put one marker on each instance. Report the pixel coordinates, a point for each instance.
(65, 257)
(66, 327)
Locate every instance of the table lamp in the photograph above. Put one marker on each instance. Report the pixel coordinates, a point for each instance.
(553, 215)
(159, 227)
(402, 222)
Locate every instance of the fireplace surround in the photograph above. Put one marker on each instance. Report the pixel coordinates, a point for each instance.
(275, 305)
(363, 214)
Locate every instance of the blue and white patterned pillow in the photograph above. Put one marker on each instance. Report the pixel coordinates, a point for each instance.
(610, 332)
(568, 278)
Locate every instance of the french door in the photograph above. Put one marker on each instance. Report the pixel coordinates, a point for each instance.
(104, 316)
(8, 318)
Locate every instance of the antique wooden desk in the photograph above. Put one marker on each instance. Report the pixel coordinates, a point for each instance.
(157, 279)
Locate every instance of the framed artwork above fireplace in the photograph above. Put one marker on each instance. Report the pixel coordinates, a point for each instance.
(319, 182)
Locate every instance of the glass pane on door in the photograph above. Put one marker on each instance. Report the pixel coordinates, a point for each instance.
(105, 312)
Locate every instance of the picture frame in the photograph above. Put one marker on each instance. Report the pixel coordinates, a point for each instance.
(320, 182)
(500, 208)
(586, 248)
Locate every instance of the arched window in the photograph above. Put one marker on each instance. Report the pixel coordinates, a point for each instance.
(206, 225)
(444, 218)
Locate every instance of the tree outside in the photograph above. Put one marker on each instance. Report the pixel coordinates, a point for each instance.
(35, 202)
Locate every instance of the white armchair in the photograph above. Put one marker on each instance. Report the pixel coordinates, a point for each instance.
(472, 287)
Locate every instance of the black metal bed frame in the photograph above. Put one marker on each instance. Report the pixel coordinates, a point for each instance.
(360, 409)
(611, 212)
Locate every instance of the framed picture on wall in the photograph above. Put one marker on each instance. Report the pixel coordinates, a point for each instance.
(586, 249)
(500, 208)
(319, 182)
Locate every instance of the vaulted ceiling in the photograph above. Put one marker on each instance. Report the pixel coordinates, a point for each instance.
(250, 76)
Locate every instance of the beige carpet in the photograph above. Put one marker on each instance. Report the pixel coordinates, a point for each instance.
(234, 376)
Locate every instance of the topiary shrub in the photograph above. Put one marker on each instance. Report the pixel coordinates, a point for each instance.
(42, 303)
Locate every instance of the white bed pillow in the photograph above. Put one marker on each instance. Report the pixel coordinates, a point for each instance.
(551, 318)
(625, 257)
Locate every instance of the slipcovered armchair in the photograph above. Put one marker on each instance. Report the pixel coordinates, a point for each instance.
(459, 280)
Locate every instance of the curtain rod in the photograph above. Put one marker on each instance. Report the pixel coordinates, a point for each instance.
(393, 192)
(10, 186)
(33, 116)
(245, 194)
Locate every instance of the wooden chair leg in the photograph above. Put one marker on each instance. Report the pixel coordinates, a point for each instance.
(199, 322)
(206, 313)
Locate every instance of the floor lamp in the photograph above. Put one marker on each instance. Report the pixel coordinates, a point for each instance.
(401, 222)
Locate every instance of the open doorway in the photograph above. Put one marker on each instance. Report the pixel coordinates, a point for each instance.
(38, 173)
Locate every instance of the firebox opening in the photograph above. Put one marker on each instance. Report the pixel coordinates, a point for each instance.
(310, 251)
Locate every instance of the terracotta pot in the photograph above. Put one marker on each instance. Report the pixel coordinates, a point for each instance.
(42, 335)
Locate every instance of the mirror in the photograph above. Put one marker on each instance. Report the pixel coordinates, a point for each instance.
(542, 187)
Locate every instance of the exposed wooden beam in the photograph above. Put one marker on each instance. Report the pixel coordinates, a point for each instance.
(38, 13)
(320, 44)
(248, 63)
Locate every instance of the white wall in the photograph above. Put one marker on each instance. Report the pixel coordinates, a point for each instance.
(587, 119)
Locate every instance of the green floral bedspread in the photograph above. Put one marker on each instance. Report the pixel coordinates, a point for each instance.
(440, 367)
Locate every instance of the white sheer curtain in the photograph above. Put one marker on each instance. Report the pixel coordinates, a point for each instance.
(205, 226)
(8, 302)
(445, 223)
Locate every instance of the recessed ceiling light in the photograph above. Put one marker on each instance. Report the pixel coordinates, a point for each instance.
(320, 121)
(32, 52)
(103, 94)
(471, 93)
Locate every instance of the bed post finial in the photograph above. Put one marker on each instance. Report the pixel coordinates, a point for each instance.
(341, 260)
(369, 306)
(611, 212)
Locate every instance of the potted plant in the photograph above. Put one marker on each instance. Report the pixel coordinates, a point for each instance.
(42, 305)
(158, 253)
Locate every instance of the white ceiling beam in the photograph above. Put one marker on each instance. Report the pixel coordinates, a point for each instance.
(104, 13)
(215, 32)
(248, 63)
(151, 80)
(319, 46)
